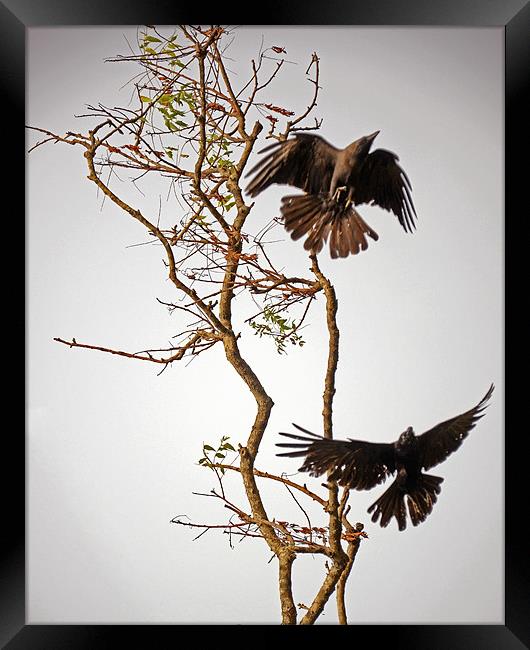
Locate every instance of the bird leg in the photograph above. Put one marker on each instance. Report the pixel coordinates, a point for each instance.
(336, 195)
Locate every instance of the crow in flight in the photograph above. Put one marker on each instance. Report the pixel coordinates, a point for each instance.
(362, 465)
(335, 181)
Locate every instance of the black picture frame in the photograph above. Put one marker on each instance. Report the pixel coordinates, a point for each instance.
(514, 15)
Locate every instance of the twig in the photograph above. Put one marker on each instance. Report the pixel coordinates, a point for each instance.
(281, 479)
(191, 344)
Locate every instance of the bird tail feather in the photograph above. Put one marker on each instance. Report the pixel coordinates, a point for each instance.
(420, 499)
(320, 218)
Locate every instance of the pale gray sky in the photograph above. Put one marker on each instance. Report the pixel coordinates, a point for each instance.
(113, 449)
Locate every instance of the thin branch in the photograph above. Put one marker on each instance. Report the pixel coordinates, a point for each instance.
(339, 557)
(316, 62)
(333, 346)
(351, 552)
(179, 354)
(201, 53)
(302, 509)
(281, 479)
(136, 214)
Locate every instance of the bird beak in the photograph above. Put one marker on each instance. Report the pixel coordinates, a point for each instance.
(372, 136)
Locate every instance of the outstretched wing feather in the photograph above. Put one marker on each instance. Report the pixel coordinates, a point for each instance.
(356, 464)
(436, 444)
(306, 161)
(384, 183)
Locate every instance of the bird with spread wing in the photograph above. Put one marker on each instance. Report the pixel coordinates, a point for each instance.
(362, 465)
(335, 182)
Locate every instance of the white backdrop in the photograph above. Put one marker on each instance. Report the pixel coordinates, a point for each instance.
(113, 449)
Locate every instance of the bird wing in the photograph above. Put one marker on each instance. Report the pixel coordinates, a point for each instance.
(305, 161)
(383, 182)
(356, 464)
(438, 443)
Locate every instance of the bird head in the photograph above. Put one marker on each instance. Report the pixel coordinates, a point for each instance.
(367, 140)
(407, 436)
(361, 147)
(370, 138)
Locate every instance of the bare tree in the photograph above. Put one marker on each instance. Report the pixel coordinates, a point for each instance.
(185, 95)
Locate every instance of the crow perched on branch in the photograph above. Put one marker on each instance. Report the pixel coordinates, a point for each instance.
(335, 181)
(361, 465)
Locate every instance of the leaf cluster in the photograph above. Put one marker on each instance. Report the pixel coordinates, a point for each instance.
(279, 328)
(217, 454)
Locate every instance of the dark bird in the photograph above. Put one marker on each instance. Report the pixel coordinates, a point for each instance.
(361, 465)
(335, 181)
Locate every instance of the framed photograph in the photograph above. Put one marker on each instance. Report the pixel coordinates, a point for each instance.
(135, 515)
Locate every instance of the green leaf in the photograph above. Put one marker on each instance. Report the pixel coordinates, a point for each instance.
(166, 98)
(227, 445)
(208, 448)
(145, 99)
(151, 39)
(170, 126)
